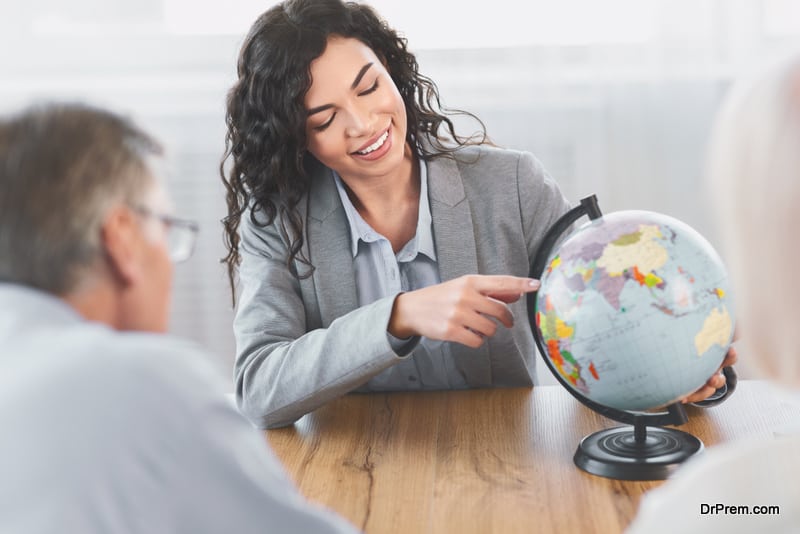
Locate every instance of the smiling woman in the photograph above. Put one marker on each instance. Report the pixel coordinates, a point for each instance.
(374, 252)
(376, 248)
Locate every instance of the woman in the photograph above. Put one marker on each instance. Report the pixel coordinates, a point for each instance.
(358, 220)
(755, 175)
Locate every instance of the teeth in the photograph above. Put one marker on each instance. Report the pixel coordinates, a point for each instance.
(376, 145)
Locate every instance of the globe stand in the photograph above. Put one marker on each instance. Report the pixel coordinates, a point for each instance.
(636, 453)
(641, 451)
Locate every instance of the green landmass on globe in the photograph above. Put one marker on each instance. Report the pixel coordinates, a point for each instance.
(635, 310)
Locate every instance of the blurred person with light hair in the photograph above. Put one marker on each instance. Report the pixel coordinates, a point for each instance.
(754, 177)
(108, 424)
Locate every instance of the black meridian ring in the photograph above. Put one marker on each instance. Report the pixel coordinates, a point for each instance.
(675, 414)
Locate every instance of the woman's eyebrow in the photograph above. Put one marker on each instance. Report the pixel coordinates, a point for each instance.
(355, 83)
(318, 109)
(360, 75)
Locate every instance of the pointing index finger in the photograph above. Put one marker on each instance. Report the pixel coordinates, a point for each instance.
(499, 286)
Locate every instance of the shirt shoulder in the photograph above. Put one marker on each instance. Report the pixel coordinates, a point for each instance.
(85, 374)
(178, 364)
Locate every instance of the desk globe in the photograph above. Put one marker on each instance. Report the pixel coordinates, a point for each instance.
(634, 313)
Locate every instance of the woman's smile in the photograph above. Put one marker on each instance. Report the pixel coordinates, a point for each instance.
(376, 148)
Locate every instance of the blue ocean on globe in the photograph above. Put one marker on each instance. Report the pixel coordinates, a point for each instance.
(635, 310)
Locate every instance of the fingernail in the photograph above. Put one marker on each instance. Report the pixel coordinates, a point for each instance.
(535, 284)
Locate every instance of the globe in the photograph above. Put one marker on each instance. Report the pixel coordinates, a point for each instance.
(634, 310)
(633, 313)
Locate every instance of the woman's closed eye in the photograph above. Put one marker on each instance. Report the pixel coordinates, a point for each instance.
(325, 124)
(371, 90)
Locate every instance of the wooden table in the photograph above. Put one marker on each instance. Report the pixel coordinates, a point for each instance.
(493, 460)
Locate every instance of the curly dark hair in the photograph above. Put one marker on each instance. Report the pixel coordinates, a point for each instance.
(266, 117)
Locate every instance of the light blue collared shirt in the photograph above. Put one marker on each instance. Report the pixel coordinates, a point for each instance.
(380, 273)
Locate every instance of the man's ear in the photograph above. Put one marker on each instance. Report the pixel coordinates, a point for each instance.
(120, 236)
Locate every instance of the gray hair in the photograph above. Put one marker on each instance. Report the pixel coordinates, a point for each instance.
(61, 167)
(754, 177)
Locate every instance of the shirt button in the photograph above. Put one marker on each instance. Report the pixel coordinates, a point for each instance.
(412, 378)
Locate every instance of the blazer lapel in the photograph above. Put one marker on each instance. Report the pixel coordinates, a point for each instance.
(456, 255)
(328, 240)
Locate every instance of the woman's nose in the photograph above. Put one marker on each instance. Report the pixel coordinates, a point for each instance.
(359, 122)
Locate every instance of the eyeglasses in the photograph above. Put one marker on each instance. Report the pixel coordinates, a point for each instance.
(181, 234)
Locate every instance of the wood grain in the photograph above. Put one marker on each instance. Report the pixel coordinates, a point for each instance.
(493, 460)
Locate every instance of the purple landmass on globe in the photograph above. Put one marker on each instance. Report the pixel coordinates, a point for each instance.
(609, 286)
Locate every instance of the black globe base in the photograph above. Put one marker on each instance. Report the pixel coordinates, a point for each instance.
(628, 453)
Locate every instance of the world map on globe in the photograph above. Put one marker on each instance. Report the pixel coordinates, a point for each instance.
(635, 310)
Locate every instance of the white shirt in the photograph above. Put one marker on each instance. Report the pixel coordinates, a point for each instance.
(111, 432)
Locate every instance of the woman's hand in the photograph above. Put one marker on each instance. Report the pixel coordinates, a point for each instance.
(463, 310)
(715, 382)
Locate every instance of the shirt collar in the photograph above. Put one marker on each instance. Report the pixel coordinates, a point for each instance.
(360, 230)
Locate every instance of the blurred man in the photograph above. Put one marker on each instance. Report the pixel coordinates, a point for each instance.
(108, 425)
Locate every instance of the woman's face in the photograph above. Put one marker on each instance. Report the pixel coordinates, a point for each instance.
(356, 122)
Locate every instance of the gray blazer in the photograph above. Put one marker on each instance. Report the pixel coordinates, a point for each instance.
(302, 343)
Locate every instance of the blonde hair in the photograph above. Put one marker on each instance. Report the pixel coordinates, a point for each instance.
(754, 182)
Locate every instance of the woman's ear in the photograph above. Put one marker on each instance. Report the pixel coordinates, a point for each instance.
(120, 237)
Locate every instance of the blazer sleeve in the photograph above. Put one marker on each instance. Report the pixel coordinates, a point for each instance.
(282, 369)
